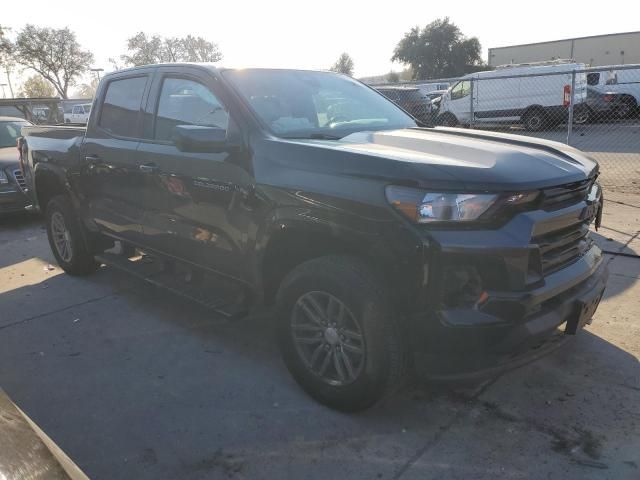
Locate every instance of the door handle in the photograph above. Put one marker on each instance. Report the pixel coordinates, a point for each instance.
(149, 168)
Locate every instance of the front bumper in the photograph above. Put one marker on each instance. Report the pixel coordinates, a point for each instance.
(12, 199)
(520, 313)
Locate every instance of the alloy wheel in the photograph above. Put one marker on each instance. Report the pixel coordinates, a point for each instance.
(61, 237)
(328, 338)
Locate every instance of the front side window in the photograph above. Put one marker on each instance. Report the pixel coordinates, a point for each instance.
(121, 106)
(305, 104)
(461, 90)
(186, 102)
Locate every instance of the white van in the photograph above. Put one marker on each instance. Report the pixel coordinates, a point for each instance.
(79, 114)
(624, 82)
(508, 95)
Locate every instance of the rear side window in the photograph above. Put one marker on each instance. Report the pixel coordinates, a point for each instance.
(121, 106)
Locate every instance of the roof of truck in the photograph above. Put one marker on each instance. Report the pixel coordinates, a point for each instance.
(210, 66)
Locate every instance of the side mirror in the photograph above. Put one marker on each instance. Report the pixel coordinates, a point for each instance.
(196, 138)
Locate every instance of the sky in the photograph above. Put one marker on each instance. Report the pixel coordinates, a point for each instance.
(284, 33)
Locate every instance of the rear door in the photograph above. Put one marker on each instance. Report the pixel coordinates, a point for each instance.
(111, 179)
(198, 207)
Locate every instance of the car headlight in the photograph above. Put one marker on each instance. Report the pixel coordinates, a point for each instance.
(426, 207)
(594, 192)
(3, 178)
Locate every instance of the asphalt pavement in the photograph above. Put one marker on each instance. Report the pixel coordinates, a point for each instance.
(134, 383)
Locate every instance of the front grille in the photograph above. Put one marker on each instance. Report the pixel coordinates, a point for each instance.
(555, 198)
(560, 248)
(17, 174)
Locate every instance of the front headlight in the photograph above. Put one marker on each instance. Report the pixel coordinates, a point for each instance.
(594, 192)
(3, 178)
(426, 207)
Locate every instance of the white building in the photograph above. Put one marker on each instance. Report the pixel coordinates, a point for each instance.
(598, 50)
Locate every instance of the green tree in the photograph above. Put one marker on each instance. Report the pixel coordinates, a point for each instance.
(438, 50)
(53, 53)
(344, 64)
(36, 87)
(146, 49)
(6, 60)
(87, 90)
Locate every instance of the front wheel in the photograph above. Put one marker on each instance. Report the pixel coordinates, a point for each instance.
(447, 120)
(337, 333)
(67, 242)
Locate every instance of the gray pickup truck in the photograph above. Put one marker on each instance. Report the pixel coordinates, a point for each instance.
(381, 244)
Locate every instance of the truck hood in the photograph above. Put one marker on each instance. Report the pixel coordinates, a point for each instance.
(475, 160)
(8, 157)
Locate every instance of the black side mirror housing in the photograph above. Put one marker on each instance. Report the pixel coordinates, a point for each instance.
(200, 139)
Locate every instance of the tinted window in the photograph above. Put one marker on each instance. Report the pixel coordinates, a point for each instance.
(593, 78)
(185, 102)
(121, 107)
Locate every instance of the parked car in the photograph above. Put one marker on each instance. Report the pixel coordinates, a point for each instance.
(623, 82)
(606, 106)
(373, 239)
(79, 114)
(535, 95)
(13, 197)
(427, 88)
(410, 99)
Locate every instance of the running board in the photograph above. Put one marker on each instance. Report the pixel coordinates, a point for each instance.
(215, 294)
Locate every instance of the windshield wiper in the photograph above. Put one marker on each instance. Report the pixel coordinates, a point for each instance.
(315, 136)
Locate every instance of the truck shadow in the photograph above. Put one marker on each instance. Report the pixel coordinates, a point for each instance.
(122, 369)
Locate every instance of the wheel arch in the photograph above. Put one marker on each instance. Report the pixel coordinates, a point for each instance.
(47, 184)
(296, 242)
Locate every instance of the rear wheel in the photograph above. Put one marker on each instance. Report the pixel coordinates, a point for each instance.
(66, 238)
(535, 120)
(583, 116)
(625, 108)
(338, 334)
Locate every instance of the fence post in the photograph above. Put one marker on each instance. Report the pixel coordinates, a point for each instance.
(571, 101)
(471, 109)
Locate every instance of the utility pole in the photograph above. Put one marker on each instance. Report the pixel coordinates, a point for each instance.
(4, 95)
(97, 71)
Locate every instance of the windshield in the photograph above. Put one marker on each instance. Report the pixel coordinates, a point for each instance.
(303, 104)
(9, 133)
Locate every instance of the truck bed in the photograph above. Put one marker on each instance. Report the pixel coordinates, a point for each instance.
(56, 147)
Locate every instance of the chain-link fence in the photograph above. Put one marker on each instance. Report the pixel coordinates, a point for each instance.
(593, 109)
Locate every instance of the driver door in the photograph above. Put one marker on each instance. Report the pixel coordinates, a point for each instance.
(195, 202)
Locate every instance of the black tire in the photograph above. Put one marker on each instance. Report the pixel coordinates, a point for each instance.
(78, 260)
(448, 120)
(380, 368)
(626, 108)
(583, 116)
(535, 120)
